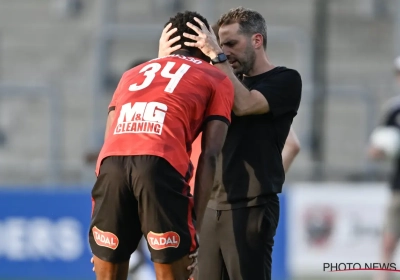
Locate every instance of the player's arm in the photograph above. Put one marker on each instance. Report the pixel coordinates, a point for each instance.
(110, 120)
(390, 118)
(290, 150)
(217, 119)
(213, 138)
(111, 109)
(374, 152)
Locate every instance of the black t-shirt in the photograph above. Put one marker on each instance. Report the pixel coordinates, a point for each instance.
(250, 168)
(392, 118)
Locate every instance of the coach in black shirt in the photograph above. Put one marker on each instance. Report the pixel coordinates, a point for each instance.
(252, 161)
(240, 223)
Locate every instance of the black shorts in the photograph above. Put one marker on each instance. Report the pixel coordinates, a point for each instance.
(237, 244)
(141, 195)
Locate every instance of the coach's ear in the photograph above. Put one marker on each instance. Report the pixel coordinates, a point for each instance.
(257, 40)
(165, 43)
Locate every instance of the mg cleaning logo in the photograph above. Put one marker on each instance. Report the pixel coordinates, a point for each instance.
(141, 117)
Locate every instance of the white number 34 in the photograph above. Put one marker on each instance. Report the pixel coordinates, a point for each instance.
(150, 71)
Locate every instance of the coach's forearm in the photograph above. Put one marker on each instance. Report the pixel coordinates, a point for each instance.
(290, 150)
(204, 182)
(242, 94)
(288, 156)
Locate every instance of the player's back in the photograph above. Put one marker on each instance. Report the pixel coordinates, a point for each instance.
(160, 107)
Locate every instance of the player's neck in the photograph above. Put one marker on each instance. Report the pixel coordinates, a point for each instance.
(183, 52)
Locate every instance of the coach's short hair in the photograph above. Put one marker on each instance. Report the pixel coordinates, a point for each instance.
(250, 22)
(179, 21)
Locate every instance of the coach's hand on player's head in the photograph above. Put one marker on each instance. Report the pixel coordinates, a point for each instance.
(165, 42)
(205, 39)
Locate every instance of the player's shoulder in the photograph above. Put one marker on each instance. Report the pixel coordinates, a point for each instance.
(134, 70)
(214, 75)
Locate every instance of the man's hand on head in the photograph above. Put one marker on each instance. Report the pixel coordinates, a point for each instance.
(165, 42)
(205, 39)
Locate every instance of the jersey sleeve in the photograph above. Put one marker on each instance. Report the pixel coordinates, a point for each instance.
(392, 118)
(284, 94)
(117, 92)
(221, 102)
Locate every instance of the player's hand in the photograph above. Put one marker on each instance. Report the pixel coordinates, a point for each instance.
(164, 47)
(92, 261)
(193, 267)
(205, 40)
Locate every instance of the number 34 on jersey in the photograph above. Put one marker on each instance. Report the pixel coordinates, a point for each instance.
(148, 117)
(141, 117)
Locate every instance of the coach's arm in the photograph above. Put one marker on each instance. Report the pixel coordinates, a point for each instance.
(290, 150)
(247, 102)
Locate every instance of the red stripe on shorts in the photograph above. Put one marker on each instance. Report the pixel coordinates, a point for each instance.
(192, 230)
(93, 203)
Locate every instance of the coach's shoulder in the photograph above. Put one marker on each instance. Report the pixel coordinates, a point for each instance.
(290, 74)
(288, 77)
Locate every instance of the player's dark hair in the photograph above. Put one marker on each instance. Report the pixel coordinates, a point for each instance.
(179, 21)
(250, 22)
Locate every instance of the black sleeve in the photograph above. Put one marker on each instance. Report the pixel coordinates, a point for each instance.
(392, 117)
(283, 93)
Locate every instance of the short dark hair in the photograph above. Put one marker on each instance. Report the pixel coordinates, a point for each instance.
(250, 22)
(179, 21)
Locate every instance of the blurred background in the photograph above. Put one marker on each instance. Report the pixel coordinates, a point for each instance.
(60, 61)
